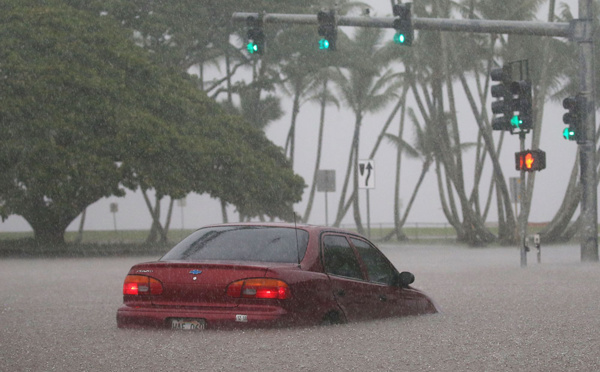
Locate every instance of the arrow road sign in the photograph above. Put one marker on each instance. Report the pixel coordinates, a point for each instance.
(366, 174)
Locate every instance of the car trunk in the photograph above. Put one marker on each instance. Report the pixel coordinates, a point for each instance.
(198, 284)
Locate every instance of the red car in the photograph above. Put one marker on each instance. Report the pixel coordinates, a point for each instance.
(254, 275)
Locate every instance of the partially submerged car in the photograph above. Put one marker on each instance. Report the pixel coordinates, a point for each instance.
(256, 275)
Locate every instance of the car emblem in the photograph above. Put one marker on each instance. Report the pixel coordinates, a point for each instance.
(196, 272)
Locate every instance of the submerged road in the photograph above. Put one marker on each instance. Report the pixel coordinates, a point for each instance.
(59, 315)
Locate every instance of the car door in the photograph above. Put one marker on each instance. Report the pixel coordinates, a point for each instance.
(353, 293)
(392, 300)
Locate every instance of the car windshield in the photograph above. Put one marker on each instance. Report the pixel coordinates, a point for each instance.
(242, 243)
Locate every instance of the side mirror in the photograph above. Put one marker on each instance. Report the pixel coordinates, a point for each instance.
(405, 279)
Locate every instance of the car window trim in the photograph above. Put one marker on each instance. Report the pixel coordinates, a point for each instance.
(356, 255)
(362, 263)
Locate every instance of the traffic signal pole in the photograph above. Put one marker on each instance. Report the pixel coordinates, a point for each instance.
(558, 29)
(587, 150)
(522, 217)
(578, 30)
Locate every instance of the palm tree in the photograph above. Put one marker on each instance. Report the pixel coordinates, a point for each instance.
(299, 72)
(366, 85)
(324, 97)
(424, 149)
(559, 229)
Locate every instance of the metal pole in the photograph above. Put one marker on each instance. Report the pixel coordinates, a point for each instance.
(560, 29)
(522, 217)
(368, 216)
(587, 150)
(326, 210)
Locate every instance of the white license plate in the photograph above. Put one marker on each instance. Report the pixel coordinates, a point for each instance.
(188, 324)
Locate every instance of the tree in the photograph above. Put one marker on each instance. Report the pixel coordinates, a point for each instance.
(65, 74)
(83, 110)
(192, 34)
(366, 85)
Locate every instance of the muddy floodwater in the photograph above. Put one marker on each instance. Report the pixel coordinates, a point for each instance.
(59, 315)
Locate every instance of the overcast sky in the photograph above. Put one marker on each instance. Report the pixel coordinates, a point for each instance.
(200, 210)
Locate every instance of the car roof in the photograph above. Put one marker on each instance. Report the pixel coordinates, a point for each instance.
(311, 228)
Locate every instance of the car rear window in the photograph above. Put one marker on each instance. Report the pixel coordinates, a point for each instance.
(242, 243)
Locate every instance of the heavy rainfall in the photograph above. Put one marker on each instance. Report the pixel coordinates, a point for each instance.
(118, 117)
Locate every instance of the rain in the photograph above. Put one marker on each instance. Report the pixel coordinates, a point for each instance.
(59, 314)
(125, 126)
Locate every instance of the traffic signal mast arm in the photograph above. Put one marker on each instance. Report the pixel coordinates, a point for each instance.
(558, 29)
(579, 30)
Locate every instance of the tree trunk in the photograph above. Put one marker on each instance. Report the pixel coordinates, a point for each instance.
(79, 238)
(156, 228)
(341, 210)
(49, 234)
(355, 198)
(291, 137)
(538, 109)
(397, 223)
(552, 232)
(313, 186)
(224, 211)
(165, 232)
(506, 235)
(424, 170)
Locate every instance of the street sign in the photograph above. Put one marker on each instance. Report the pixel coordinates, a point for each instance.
(326, 180)
(366, 174)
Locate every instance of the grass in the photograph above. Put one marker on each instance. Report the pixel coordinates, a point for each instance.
(133, 242)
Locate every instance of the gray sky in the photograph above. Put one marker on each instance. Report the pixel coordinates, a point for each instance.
(200, 210)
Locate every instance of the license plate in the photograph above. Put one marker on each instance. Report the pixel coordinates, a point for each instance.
(188, 324)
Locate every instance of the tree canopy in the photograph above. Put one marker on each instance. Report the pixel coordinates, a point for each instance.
(84, 111)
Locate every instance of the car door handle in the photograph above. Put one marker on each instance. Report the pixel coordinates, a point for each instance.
(382, 298)
(341, 293)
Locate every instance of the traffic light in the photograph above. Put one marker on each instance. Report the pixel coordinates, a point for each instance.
(573, 118)
(256, 36)
(503, 106)
(530, 160)
(521, 102)
(403, 24)
(327, 30)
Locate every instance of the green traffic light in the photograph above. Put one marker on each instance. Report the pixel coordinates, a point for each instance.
(323, 44)
(516, 122)
(399, 38)
(252, 47)
(568, 134)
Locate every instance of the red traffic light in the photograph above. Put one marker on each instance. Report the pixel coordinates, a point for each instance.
(530, 160)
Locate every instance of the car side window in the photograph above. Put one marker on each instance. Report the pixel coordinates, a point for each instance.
(378, 267)
(339, 257)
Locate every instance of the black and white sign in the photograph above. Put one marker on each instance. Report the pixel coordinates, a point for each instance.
(366, 174)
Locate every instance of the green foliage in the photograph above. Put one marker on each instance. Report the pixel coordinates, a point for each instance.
(64, 74)
(83, 111)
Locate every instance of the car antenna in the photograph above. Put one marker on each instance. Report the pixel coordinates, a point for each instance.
(297, 245)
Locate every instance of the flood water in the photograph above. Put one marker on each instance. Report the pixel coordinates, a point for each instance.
(59, 315)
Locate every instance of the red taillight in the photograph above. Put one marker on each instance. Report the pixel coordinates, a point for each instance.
(141, 285)
(259, 288)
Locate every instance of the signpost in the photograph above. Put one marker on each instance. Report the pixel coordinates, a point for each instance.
(326, 183)
(114, 208)
(181, 203)
(366, 180)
